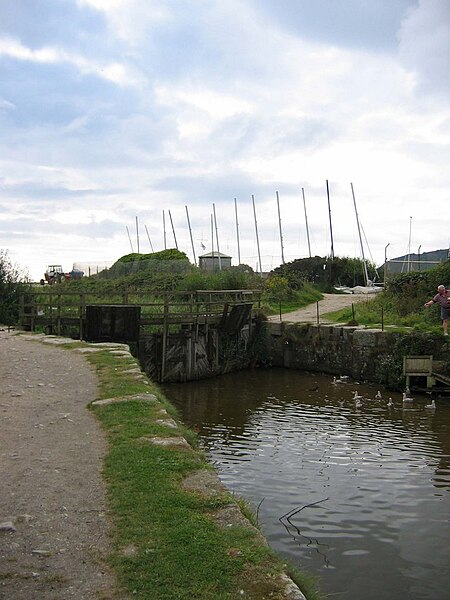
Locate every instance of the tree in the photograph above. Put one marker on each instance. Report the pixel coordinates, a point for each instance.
(11, 285)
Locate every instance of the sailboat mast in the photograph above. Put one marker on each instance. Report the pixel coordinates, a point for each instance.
(212, 242)
(164, 230)
(281, 232)
(129, 239)
(190, 233)
(306, 222)
(331, 228)
(409, 245)
(237, 231)
(137, 234)
(366, 276)
(257, 237)
(173, 230)
(148, 235)
(217, 237)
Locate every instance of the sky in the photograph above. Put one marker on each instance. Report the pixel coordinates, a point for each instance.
(114, 113)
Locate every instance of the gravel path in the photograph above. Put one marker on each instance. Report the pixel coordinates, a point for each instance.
(329, 303)
(53, 524)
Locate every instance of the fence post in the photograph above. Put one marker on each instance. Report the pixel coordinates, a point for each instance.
(317, 310)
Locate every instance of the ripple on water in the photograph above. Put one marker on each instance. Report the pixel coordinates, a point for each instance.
(370, 486)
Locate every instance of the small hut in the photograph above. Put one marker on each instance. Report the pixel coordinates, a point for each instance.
(210, 262)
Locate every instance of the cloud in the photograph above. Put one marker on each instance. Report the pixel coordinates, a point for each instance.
(424, 45)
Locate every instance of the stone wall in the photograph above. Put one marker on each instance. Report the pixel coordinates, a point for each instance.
(343, 350)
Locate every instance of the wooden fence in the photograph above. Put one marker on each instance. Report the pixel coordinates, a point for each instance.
(64, 312)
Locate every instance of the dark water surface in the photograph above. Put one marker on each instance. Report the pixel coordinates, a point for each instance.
(369, 487)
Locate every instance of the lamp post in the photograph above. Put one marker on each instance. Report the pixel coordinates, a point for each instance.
(385, 263)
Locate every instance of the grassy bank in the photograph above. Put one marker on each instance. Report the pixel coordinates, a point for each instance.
(380, 310)
(177, 533)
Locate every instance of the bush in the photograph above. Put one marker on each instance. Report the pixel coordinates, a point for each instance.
(12, 284)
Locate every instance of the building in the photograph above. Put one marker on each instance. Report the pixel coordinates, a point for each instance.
(214, 261)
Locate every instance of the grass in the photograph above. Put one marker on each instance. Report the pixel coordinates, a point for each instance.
(378, 311)
(167, 542)
(297, 299)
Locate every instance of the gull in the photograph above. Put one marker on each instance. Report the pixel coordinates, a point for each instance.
(356, 396)
(358, 402)
(431, 406)
(390, 404)
(336, 380)
(378, 395)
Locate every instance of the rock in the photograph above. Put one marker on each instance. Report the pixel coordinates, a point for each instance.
(7, 526)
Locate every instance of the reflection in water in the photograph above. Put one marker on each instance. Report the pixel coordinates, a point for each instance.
(358, 496)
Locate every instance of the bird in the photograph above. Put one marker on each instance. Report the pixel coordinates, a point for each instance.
(407, 399)
(390, 404)
(431, 406)
(356, 396)
(336, 380)
(378, 395)
(358, 402)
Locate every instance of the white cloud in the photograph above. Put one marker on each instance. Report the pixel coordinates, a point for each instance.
(117, 73)
(213, 101)
(425, 45)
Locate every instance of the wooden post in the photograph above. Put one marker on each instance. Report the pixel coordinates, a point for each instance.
(317, 309)
(82, 313)
(58, 315)
(164, 340)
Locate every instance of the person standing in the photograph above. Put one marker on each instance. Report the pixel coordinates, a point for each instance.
(442, 298)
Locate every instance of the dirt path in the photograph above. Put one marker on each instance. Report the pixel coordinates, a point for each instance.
(329, 303)
(53, 525)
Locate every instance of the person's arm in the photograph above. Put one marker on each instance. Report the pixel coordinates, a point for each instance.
(429, 303)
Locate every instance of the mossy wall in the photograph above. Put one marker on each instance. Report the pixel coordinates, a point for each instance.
(364, 354)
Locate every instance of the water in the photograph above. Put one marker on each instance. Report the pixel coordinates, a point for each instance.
(358, 497)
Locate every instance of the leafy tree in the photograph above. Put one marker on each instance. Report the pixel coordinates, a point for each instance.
(11, 285)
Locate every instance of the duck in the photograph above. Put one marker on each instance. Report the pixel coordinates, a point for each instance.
(431, 406)
(336, 380)
(390, 404)
(378, 395)
(358, 402)
(356, 396)
(407, 399)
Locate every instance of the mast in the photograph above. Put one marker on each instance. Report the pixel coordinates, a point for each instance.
(190, 233)
(150, 241)
(281, 232)
(237, 231)
(212, 242)
(164, 230)
(409, 245)
(366, 276)
(173, 230)
(306, 222)
(331, 228)
(257, 237)
(129, 239)
(137, 234)
(217, 237)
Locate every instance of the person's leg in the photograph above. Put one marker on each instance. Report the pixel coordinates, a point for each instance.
(445, 326)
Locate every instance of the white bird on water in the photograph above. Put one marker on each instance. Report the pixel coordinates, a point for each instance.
(340, 380)
(378, 395)
(358, 402)
(356, 396)
(390, 404)
(431, 406)
(407, 399)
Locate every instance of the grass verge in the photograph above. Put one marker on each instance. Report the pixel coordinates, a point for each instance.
(172, 542)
